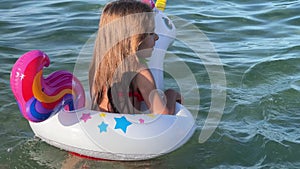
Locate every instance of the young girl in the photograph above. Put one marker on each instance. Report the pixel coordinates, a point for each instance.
(119, 81)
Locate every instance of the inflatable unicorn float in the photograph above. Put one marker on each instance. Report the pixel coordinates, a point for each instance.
(56, 111)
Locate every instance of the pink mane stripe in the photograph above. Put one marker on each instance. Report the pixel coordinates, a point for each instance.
(28, 70)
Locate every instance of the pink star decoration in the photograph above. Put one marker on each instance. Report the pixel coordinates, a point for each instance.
(85, 117)
(142, 121)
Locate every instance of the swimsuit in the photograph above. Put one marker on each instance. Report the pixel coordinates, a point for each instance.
(136, 94)
(123, 107)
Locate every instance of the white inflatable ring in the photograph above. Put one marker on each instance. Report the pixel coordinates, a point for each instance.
(116, 136)
(72, 127)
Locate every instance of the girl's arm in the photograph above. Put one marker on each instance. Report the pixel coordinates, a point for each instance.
(152, 97)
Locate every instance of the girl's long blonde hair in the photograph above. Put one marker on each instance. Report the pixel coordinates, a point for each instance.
(122, 28)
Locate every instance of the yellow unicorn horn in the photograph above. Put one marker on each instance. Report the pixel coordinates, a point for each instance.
(161, 4)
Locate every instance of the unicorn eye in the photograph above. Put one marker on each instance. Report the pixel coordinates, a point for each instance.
(168, 23)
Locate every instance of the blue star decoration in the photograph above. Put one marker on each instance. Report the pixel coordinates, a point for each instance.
(122, 123)
(103, 127)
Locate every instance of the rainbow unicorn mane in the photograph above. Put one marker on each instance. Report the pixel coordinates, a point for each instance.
(39, 97)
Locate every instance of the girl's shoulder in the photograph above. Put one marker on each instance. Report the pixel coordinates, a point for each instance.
(144, 77)
(143, 71)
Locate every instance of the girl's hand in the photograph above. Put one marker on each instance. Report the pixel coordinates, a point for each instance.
(179, 98)
(174, 94)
